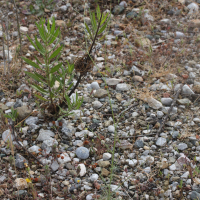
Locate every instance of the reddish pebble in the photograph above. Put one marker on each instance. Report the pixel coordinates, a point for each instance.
(185, 76)
(166, 95)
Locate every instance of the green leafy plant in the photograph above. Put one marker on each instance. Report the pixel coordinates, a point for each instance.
(12, 115)
(54, 73)
(99, 23)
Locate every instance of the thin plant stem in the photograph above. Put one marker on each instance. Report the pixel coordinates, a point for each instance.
(7, 37)
(4, 57)
(18, 29)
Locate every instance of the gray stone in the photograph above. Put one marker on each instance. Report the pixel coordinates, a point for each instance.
(18, 103)
(182, 146)
(123, 87)
(107, 156)
(67, 129)
(131, 15)
(100, 93)
(34, 149)
(186, 90)
(179, 35)
(6, 135)
(139, 144)
(62, 174)
(160, 114)
(118, 10)
(166, 101)
(97, 104)
(47, 144)
(113, 81)
(19, 161)
(55, 165)
(111, 129)
(194, 195)
(193, 7)
(45, 135)
(76, 114)
(95, 86)
(82, 153)
(31, 120)
(154, 103)
(161, 141)
(10, 104)
(94, 177)
(184, 101)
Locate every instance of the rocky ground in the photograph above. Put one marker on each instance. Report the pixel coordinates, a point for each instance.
(138, 125)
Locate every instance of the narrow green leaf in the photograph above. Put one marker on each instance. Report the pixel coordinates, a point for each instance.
(31, 63)
(55, 53)
(102, 29)
(38, 61)
(35, 77)
(94, 24)
(56, 68)
(41, 29)
(43, 79)
(40, 97)
(39, 45)
(88, 30)
(104, 19)
(52, 82)
(31, 41)
(54, 36)
(48, 26)
(53, 26)
(39, 89)
(98, 12)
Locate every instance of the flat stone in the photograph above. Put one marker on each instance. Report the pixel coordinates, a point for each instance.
(137, 78)
(103, 163)
(154, 103)
(105, 172)
(123, 87)
(161, 141)
(60, 23)
(100, 93)
(31, 120)
(182, 146)
(3, 107)
(184, 101)
(113, 81)
(45, 135)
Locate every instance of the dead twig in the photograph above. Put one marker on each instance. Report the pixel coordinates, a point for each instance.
(135, 104)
